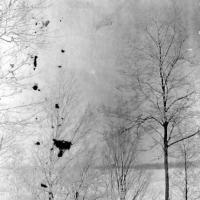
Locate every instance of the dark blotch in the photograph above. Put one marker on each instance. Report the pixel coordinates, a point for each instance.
(57, 106)
(35, 62)
(35, 87)
(62, 145)
(43, 185)
(51, 195)
(46, 23)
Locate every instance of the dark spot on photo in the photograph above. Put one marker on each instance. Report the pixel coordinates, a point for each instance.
(46, 23)
(57, 106)
(51, 195)
(43, 185)
(35, 87)
(62, 51)
(35, 62)
(62, 145)
(61, 152)
(59, 66)
(37, 143)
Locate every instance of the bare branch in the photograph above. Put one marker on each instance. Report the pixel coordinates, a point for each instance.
(184, 138)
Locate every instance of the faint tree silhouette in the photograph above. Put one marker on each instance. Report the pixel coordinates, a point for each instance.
(122, 143)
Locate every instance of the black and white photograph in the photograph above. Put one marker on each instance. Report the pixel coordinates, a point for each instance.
(99, 99)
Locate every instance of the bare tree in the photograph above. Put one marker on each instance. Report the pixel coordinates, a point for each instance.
(163, 75)
(86, 182)
(64, 125)
(185, 178)
(18, 35)
(121, 151)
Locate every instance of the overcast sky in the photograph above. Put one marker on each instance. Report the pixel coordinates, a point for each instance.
(93, 34)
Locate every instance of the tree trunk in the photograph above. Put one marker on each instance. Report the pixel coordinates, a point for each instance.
(76, 195)
(51, 197)
(122, 190)
(166, 164)
(123, 195)
(186, 177)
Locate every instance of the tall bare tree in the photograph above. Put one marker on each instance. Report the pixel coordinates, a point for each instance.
(164, 77)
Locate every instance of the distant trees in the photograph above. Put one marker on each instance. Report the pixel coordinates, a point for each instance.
(85, 180)
(122, 140)
(185, 179)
